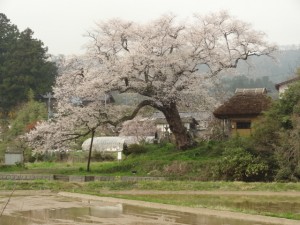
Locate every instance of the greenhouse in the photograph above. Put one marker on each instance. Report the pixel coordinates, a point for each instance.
(112, 144)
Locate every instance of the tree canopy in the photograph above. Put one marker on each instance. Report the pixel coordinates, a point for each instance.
(277, 136)
(24, 65)
(159, 60)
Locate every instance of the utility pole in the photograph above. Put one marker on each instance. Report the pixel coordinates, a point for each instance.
(48, 96)
(90, 151)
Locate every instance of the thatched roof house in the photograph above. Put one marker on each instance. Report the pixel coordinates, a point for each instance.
(239, 112)
(245, 102)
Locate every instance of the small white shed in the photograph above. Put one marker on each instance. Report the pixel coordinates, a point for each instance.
(11, 158)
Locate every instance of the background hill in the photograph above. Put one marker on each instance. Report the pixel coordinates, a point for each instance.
(264, 71)
(277, 70)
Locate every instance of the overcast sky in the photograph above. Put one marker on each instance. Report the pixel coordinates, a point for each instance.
(61, 24)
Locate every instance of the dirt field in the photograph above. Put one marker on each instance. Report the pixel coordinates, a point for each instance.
(37, 200)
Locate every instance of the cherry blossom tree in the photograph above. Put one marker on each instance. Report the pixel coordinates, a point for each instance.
(139, 127)
(163, 60)
(79, 112)
(81, 108)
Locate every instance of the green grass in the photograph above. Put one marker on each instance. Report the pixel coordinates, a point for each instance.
(158, 160)
(96, 187)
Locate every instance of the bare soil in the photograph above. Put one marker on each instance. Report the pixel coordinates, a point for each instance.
(33, 200)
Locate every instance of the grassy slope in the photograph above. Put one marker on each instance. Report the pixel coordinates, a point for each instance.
(156, 161)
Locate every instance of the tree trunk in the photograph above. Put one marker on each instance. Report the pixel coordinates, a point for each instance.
(182, 137)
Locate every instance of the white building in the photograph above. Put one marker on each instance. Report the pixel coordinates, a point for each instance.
(281, 87)
(194, 122)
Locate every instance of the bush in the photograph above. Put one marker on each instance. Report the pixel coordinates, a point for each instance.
(102, 156)
(134, 149)
(237, 164)
(58, 156)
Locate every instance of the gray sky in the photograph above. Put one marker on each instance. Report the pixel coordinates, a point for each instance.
(61, 24)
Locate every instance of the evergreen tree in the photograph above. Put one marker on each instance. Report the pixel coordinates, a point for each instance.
(24, 65)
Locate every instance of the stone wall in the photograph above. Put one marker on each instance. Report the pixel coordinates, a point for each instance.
(74, 178)
(25, 177)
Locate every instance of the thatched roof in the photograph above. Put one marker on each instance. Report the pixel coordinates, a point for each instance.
(244, 103)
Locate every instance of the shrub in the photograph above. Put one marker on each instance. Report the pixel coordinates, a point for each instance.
(288, 153)
(102, 156)
(134, 149)
(237, 164)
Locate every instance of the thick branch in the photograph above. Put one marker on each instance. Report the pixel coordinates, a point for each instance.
(73, 136)
(144, 103)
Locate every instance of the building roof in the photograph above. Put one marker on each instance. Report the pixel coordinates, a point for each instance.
(198, 116)
(183, 120)
(277, 86)
(251, 90)
(244, 103)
